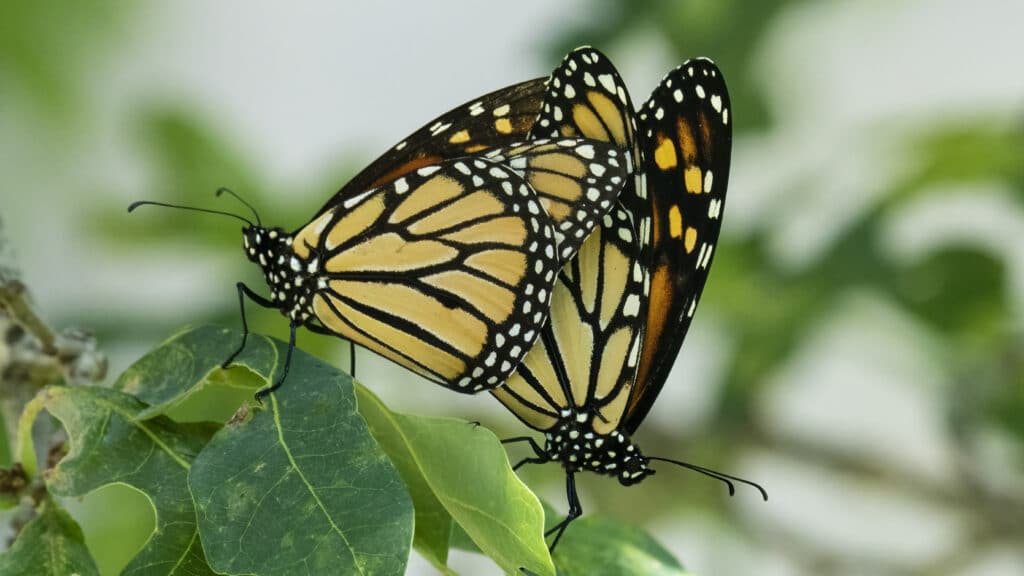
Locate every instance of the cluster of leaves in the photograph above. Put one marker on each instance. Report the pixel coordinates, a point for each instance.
(323, 479)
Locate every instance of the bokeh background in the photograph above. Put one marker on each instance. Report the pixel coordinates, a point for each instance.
(860, 346)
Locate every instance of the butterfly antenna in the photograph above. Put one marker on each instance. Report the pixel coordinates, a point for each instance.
(135, 205)
(727, 478)
(223, 190)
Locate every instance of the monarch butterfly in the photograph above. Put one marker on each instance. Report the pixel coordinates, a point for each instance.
(438, 260)
(620, 309)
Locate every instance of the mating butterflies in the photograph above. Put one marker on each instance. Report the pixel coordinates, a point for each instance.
(621, 308)
(441, 255)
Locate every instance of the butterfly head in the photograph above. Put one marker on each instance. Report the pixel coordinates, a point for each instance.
(291, 278)
(263, 245)
(578, 444)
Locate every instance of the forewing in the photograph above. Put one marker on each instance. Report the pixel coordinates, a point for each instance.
(586, 98)
(446, 270)
(686, 134)
(495, 119)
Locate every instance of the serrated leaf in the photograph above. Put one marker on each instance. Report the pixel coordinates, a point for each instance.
(302, 487)
(50, 545)
(181, 365)
(461, 468)
(110, 443)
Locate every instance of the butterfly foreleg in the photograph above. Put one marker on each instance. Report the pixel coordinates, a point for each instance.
(263, 393)
(244, 291)
(529, 440)
(540, 455)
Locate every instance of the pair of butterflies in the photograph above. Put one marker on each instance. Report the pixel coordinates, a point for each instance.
(551, 197)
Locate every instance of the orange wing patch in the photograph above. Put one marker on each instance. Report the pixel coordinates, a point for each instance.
(665, 153)
(403, 169)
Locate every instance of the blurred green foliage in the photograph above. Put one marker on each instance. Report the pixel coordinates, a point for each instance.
(43, 46)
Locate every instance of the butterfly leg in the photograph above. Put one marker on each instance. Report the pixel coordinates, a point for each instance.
(525, 461)
(540, 455)
(263, 393)
(529, 440)
(244, 291)
(575, 511)
(352, 358)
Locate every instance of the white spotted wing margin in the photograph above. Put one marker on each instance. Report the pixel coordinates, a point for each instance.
(446, 270)
(686, 131)
(576, 179)
(494, 119)
(587, 98)
(587, 355)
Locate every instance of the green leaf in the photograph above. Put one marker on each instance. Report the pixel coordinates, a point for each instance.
(113, 539)
(26, 450)
(110, 443)
(51, 544)
(433, 523)
(302, 487)
(595, 545)
(459, 471)
(181, 366)
(460, 540)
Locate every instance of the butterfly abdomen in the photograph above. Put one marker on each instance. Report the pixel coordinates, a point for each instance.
(576, 444)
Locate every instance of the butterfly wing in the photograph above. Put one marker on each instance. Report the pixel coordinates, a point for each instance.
(495, 119)
(576, 180)
(586, 98)
(687, 138)
(587, 354)
(510, 114)
(447, 270)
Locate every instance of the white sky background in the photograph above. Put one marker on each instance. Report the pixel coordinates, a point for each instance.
(298, 87)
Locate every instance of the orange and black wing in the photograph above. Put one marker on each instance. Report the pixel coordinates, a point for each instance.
(586, 98)
(495, 119)
(576, 180)
(446, 270)
(686, 135)
(588, 353)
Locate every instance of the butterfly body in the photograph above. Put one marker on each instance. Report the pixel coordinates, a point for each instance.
(292, 280)
(575, 445)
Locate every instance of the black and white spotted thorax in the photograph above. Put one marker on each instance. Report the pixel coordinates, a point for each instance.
(577, 446)
(293, 280)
